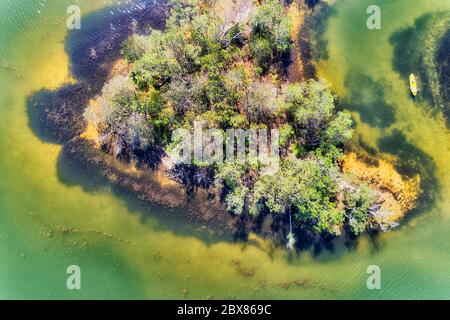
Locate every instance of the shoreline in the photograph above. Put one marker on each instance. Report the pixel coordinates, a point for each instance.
(148, 185)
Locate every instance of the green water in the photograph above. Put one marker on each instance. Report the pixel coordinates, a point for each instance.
(139, 252)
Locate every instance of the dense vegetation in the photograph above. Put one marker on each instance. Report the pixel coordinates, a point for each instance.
(233, 76)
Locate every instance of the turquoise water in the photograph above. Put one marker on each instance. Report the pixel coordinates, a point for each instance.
(138, 252)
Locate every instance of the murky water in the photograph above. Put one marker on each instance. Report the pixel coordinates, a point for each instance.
(129, 250)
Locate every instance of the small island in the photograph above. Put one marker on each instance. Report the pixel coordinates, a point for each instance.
(219, 67)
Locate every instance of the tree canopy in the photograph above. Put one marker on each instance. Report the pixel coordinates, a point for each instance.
(194, 71)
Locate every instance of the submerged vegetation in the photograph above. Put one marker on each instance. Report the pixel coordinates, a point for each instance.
(233, 75)
(426, 44)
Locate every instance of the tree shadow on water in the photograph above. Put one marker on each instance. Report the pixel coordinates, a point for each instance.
(412, 161)
(366, 96)
(73, 172)
(312, 41)
(421, 49)
(56, 116)
(100, 39)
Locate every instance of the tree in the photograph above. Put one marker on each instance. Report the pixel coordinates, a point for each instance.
(236, 81)
(270, 37)
(267, 18)
(360, 202)
(310, 106)
(154, 69)
(187, 93)
(236, 200)
(119, 92)
(307, 188)
(286, 134)
(139, 134)
(121, 117)
(114, 104)
(339, 130)
(135, 47)
(260, 102)
(310, 102)
(262, 51)
(231, 174)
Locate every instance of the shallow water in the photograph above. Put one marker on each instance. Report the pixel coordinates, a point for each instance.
(129, 250)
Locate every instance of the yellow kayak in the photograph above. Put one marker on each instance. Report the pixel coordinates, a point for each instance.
(413, 84)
